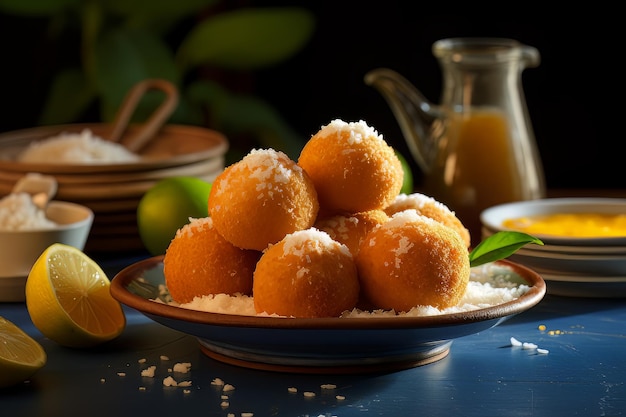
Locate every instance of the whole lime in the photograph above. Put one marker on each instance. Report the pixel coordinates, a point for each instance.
(167, 206)
(407, 182)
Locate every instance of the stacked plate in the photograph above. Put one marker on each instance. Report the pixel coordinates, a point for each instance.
(113, 191)
(571, 262)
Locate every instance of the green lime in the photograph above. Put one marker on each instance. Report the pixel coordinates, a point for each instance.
(407, 182)
(167, 206)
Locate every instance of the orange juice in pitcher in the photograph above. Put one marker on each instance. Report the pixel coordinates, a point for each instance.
(477, 168)
(476, 148)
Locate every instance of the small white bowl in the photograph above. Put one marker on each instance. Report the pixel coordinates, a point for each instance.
(493, 217)
(19, 249)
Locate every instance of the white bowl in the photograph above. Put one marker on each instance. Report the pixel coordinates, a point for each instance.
(19, 249)
(493, 217)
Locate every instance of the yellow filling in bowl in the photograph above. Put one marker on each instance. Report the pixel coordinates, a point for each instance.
(571, 224)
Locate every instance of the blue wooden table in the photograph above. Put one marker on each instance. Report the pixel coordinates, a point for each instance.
(584, 374)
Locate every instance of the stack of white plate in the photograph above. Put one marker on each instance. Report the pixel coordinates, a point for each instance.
(571, 266)
(113, 191)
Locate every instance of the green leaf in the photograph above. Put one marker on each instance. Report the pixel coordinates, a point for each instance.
(187, 113)
(157, 8)
(68, 98)
(247, 39)
(126, 57)
(36, 7)
(206, 92)
(156, 14)
(499, 246)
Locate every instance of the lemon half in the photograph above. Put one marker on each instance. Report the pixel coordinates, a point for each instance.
(20, 355)
(68, 298)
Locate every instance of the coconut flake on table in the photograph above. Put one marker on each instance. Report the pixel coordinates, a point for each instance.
(77, 148)
(18, 212)
(490, 285)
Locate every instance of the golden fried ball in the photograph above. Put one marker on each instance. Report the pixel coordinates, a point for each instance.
(353, 168)
(413, 260)
(429, 207)
(350, 229)
(199, 261)
(261, 198)
(307, 274)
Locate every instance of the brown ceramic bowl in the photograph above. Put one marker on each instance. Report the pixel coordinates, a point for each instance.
(324, 345)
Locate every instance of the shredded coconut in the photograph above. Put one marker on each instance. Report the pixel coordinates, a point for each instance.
(149, 371)
(169, 382)
(18, 212)
(357, 130)
(183, 367)
(218, 382)
(78, 148)
(489, 285)
(311, 239)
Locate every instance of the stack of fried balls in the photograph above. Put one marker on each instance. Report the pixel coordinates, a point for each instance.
(322, 235)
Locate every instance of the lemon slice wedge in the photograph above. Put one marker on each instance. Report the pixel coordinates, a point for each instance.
(68, 298)
(20, 355)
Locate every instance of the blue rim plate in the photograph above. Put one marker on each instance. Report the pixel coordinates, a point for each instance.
(320, 345)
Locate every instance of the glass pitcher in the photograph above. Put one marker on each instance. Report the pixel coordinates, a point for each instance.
(477, 147)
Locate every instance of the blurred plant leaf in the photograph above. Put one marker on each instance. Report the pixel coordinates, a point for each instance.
(157, 8)
(247, 38)
(123, 42)
(36, 7)
(68, 98)
(206, 92)
(248, 114)
(125, 57)
(156, 14)
(500, 245)
(240, 114)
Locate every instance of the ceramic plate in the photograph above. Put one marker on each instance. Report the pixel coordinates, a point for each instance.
(598, 279)
(586, 288)
(325, 345)
(587, 264)
(493, 217)
(203, 166)
(175, 145)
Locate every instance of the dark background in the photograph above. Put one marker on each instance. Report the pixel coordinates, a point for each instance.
(575, 97)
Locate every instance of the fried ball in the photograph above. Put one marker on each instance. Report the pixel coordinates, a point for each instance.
(413, 260)
(199, 261)
(261, 198)
(429, 207)
(353, 168)
(351, 229)
(307, 274)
